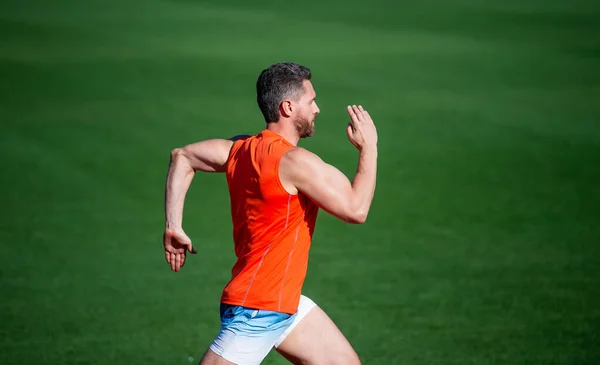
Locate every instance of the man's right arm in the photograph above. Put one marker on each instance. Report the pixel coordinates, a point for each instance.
(207, 156)
(329, 187)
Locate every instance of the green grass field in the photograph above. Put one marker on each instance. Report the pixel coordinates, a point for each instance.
(483, 243)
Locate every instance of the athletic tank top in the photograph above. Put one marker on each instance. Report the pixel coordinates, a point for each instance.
(272, 230)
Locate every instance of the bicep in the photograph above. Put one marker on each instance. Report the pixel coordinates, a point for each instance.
(327, 186)
(208, 156)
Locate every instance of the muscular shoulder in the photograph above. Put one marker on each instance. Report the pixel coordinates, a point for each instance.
(298, 159)
(298, 165)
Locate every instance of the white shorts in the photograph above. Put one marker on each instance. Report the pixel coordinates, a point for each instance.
(247, 335)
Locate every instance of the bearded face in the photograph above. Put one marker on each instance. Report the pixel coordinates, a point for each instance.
(304, 126)
(306, 111)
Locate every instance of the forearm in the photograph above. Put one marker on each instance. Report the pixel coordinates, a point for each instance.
(363, 184)
(178, 182)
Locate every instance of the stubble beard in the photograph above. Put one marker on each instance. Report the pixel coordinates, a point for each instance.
(304, 127)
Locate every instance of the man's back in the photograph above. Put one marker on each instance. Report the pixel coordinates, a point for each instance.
(272, 229)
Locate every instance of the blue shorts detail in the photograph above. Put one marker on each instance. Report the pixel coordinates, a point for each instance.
(247, 335)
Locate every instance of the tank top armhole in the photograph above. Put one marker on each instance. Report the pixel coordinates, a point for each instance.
(278, 179)
(232, 150)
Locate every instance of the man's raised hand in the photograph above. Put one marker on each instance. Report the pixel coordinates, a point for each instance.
(361, 131)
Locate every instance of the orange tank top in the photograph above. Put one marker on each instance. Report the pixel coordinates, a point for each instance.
(272, 230)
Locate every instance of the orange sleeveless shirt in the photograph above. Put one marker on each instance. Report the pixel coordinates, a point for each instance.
(272, 230)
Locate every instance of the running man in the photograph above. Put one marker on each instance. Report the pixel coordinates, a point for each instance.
(276, 190)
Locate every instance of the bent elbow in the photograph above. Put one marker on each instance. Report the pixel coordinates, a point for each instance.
(357, 218)
(176, 153)
(179, 161)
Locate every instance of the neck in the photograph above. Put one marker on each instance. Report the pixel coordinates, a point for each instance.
(286, 130)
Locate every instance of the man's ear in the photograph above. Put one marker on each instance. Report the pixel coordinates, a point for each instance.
(286, 108)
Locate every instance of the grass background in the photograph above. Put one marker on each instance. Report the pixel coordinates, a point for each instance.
(483, 243)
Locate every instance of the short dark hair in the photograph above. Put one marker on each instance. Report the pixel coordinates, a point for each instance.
(276, 83)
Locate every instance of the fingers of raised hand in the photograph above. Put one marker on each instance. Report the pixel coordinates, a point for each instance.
(368, 118)
(352, 114)
(364, 115)
(359, 114)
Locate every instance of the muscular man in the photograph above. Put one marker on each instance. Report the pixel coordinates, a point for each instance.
(276, 189)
